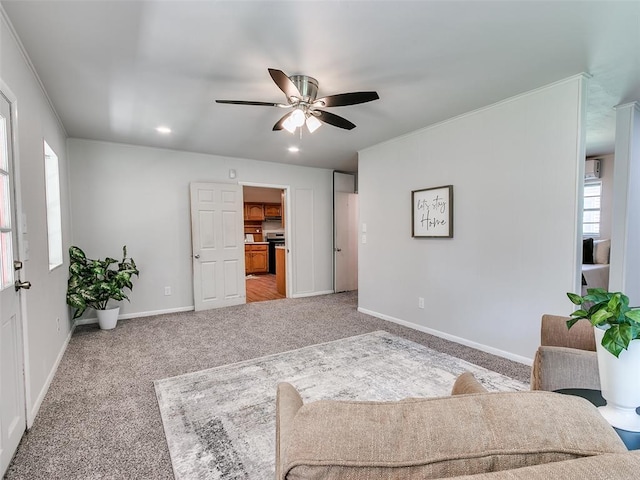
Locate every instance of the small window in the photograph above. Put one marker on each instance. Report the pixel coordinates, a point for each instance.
(54, 215)
(6, 229)
(591, 212)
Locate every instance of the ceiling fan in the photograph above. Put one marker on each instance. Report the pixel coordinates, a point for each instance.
(301, 92)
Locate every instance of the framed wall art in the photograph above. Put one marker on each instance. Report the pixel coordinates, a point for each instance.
(432, 212)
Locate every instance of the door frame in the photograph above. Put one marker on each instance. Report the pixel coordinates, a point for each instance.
(287, 226)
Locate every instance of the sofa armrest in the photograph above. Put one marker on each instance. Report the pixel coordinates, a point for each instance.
(560, 367)
(467, 383)
(288, 402)
(554, 333)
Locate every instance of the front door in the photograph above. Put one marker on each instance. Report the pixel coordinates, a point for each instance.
(217, 236)
(12, 402)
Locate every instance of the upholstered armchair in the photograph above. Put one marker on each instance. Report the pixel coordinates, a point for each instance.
(566, 358)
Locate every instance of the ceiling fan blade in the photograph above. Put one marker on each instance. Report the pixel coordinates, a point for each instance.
(334, 120)
(280, 123)
(344, 99)
(284, 83)
(260, 104)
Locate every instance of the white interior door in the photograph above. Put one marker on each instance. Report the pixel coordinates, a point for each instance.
(346, 241)
(217, 236)
(12, 399)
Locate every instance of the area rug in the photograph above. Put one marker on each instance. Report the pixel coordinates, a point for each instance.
(220, 423)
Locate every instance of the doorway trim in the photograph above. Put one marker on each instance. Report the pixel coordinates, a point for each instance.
(287, 225)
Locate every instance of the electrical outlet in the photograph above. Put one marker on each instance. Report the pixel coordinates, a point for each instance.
(364, 239)
(58, 324)
(167, 290)
(420, 302)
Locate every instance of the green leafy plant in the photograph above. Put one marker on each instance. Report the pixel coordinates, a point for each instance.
(610, 311)
(92, 283)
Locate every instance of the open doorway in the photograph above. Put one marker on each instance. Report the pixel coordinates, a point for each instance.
(597, 202)
(345, 224)
(265, 243)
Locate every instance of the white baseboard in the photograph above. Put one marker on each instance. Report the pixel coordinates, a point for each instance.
(453, 338)
(87, 321)
(311, 294)
(31, 414)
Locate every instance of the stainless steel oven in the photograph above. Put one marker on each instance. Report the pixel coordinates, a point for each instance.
(274, 238)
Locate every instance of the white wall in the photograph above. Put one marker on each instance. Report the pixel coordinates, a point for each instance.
(516, 168)
(45, 301)
(139, 196)
(262, 195)
(625, 238)
(344, 182)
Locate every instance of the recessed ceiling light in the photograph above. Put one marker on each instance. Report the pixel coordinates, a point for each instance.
(294, 149)
(163, 130)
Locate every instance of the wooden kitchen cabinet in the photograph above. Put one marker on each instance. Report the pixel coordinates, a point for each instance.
(254, 212)
(281, 270)
(272, 210)
(256, 258)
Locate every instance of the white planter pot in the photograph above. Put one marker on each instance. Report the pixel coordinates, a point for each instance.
(108, 319)
(620, 384)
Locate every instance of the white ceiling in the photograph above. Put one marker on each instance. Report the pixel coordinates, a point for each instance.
(115, 70)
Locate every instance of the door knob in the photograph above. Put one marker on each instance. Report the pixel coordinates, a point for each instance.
(25, 285)
(196, 256)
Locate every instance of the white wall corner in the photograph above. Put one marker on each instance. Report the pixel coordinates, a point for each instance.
(625, 225)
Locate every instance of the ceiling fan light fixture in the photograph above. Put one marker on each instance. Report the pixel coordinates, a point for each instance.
(313, 123)
(297, 117)
(288, 125)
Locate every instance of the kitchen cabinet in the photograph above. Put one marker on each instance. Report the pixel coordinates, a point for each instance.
(254, 212)
(272, 210)
(255, 231)
(281, 270)
(256, 258)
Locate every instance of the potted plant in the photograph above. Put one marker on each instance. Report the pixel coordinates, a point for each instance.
(92, 283)
(617, 333)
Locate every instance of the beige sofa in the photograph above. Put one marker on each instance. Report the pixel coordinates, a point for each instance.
(471, 435)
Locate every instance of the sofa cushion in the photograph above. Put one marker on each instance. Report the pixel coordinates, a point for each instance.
(601, 249)
(610, 466)
(442, 437)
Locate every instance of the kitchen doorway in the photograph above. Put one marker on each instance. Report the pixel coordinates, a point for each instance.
(266, 246)
(345, 230)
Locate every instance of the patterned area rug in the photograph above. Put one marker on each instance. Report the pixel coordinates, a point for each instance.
(220, 422)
